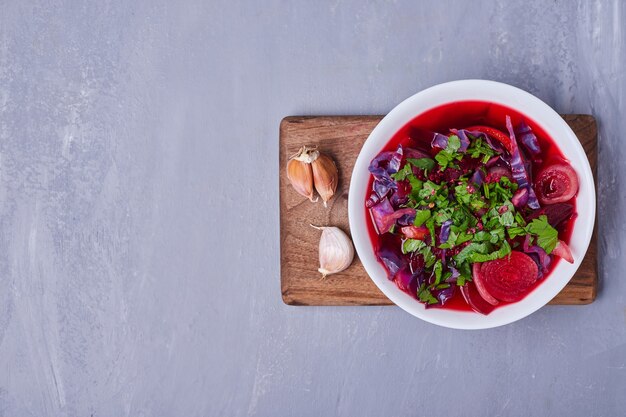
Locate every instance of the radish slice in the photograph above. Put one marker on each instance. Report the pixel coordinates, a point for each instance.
(509, 278)
(415, 232)
(563, 251)
(556, 183)
(478, 280)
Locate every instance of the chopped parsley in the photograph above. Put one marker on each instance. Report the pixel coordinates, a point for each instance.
(547, 236)
(421, 216)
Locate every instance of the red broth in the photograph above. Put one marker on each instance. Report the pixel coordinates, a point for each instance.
(465, 114)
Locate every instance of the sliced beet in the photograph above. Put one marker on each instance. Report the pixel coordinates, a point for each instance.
(474, 300)
(556, 213)
(480, 286)
(556, 183)
(509, 278)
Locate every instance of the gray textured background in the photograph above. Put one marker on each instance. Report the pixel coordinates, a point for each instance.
(139, 269)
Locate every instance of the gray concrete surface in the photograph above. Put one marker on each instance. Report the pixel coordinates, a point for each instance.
(139, 271)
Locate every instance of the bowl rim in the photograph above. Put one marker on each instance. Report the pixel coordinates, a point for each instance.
(526, 104)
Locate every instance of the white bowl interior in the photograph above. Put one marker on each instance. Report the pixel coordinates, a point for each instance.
(526, 104)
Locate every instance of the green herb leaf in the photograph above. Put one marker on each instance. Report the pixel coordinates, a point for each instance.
(480, 147)
(514, 232)
(421, 216)
(469, 250)
(547, 236)
(443, 158)
(430, 224)
(482, 236)
(504, 250)
(507, 219)
(463, 237)
(403, 173)
(422, 163)
(416, 186)
(412, 245)
(429, 257)
(425, 295)
(496, 235)
(429, 190)
(454, 143)
(437, 270)
(465, 274)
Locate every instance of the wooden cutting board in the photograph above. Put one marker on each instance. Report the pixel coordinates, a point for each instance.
(342, 137)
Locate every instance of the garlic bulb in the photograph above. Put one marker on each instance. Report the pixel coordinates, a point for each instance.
(325, 177)
(335, 250)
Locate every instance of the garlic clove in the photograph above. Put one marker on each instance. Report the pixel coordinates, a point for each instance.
(300, 175)
(336, 251)
(307, 154)
(325, 177)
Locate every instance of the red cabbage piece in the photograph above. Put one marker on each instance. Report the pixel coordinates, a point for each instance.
(556, 213)
(455, 275)
(442, 296)
(372, 200)
(406, 219)
(520, 175)
(541, 258)
(528, 139)
(465, 141)
(444, 232)
(478, 177)
(520, 198)
(401, 193)
(407, 281)
(385, 217)
(439, 141)
(494, 160)
(395, 161)
(381, 168)
(389, 254)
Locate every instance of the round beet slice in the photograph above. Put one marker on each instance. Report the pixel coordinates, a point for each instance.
(480, 284)
(556, 183)
(474, 299)
(509, 278)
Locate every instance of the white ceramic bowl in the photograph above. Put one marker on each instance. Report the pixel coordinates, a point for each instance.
(526, 104)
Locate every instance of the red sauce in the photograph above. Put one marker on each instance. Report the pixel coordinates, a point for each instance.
(465, 114)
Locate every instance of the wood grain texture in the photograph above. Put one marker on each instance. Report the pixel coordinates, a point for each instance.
(342, 137)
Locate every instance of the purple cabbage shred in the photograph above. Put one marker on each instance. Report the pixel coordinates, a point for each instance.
(439, 141)
(541, 258)
(528, 139)
(520, 198)
(385, 216)
(478, 177)
(518, 170)
(444, 233)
